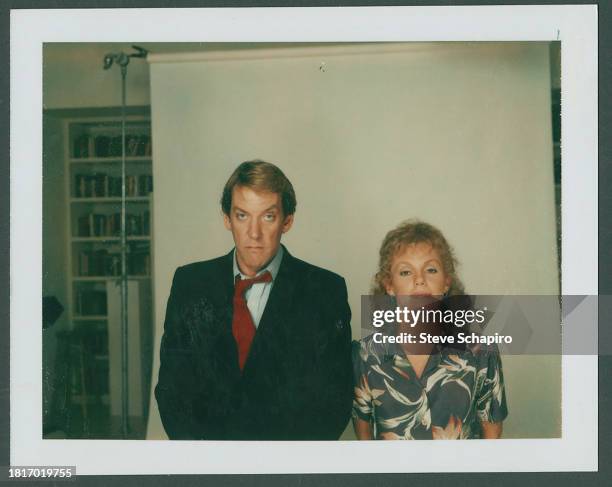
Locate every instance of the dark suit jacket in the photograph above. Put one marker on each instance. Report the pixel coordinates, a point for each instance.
(297, 380)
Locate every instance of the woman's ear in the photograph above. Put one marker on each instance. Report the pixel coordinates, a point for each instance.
(448, 284)
(389, 289)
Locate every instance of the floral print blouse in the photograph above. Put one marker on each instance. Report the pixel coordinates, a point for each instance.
(456, 391)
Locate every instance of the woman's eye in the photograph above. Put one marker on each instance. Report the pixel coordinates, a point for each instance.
(404, 273)
(432, 270)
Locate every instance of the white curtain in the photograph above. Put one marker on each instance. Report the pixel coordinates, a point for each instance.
(456, 134)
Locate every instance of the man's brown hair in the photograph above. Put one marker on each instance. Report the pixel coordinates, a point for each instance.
(260, 176)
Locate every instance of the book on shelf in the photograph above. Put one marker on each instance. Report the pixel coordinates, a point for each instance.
(92, 225)
(100, 185)
(80, 185)
(98, 223)
(83, 228)
(146, 223)
(110, 145)
(113, 224)
(137, 145)
(130, 186)
(142, 147)
(145, 184)
(83, 264)
(107, 263)
(102, 146)
(83, 146)
(139, 259)
(99, 263)
(92, 185)
(148, 146)
(109, 225)
(114, 147)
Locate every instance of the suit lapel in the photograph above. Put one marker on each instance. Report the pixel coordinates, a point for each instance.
(220, 288)
(221, 291)
(281, 294)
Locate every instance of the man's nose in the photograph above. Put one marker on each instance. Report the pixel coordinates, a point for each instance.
(255, 230)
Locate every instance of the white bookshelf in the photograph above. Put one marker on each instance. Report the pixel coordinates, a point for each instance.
(92, 162)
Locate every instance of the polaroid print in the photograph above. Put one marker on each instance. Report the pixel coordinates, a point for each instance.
(455, 122)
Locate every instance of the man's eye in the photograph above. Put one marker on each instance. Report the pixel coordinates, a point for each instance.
(240, 216)
(269, 217)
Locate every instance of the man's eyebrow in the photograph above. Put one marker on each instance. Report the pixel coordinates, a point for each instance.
(273, 207)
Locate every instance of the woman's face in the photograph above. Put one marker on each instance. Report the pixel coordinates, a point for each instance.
(417, 270)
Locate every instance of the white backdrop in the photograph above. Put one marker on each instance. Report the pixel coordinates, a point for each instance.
(457, 134)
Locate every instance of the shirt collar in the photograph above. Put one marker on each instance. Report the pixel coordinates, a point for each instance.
(272, 267)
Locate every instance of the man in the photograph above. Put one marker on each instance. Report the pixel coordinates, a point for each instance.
(257, 344)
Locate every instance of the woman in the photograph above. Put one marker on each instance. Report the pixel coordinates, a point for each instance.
(424, 391)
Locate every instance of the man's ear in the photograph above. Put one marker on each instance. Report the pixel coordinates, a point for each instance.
(288, 223)
(227, 222)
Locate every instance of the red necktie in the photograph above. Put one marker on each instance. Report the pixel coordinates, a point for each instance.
(243, 327)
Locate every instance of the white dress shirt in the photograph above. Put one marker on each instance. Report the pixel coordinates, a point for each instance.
(257, 295)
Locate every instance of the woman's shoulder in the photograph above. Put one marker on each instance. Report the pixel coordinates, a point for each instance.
(368, 351)
(478, 353)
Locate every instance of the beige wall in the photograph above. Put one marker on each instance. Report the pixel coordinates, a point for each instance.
(457, 134)
(73, 76)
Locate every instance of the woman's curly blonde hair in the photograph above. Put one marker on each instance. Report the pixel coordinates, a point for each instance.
(414, 232)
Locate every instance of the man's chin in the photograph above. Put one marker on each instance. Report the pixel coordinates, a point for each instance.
(252, 266)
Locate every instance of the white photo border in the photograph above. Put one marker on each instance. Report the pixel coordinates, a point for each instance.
(576, 28)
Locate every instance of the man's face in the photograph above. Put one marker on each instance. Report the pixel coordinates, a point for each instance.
(257, 223)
